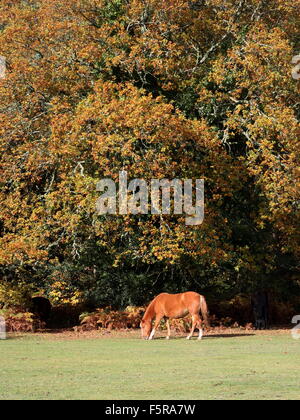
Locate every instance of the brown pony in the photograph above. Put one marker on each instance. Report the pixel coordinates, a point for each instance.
(174, 306)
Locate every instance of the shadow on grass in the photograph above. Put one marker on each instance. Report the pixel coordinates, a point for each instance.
(215, 334)
(205, 337)
(228, 335)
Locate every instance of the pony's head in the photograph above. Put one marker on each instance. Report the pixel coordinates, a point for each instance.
(145, 328)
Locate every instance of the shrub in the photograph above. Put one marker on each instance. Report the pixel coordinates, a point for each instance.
(21, 321)
(180, 325)
(109, 319)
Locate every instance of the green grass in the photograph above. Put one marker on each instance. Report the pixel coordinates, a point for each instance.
(241, 367)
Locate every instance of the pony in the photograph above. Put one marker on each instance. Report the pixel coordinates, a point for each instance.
(174, 306)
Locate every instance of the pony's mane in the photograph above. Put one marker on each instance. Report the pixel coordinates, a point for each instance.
(149, 311)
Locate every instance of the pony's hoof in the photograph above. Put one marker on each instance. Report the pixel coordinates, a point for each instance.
(167, 338)
(188, 337)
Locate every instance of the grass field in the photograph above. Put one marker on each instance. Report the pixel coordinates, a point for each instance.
(122, 366)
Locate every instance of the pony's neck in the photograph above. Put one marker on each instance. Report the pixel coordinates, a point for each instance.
(149, 314)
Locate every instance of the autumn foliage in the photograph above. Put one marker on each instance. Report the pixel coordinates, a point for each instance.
(161, 89)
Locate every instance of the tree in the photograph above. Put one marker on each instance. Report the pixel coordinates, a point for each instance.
(163, 90)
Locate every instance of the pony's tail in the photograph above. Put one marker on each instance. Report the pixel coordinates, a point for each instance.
(204, 311)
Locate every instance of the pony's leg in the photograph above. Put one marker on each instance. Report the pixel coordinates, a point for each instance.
(169, 331)
(199, 324)
(193, 327)
(156, 324)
